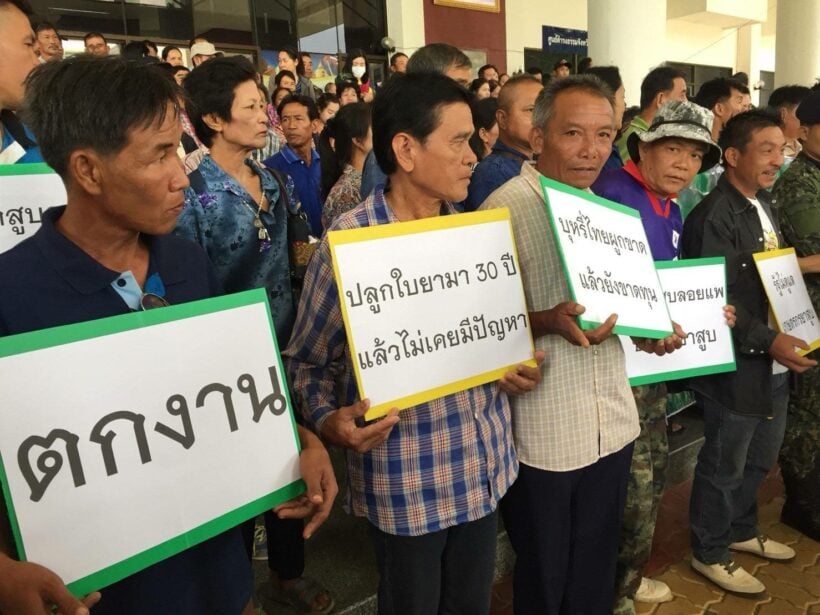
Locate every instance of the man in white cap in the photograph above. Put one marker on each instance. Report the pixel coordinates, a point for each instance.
(202, 52)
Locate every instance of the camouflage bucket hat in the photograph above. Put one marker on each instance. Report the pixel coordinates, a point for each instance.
(681, 120)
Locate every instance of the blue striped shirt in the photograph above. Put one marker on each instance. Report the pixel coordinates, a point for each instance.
(446, 462)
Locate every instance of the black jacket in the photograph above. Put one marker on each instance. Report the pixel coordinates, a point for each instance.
(726, 224)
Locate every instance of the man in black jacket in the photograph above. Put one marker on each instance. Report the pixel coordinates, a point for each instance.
(745, 410)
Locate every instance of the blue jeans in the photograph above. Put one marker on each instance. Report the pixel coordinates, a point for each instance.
(737, 454)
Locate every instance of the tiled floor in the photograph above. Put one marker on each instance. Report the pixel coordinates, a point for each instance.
(792, 587)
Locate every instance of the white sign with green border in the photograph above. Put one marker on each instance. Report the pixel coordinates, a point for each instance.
(695, 291)
(606, 256)
(126, 440)
(26, 191)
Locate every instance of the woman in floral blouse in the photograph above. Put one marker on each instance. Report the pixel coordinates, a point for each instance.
(238, 212)
(344, 144)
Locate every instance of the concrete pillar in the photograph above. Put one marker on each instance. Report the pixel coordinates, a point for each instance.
(748, 56)
(629, 34)
(405, 24)
(797, 45)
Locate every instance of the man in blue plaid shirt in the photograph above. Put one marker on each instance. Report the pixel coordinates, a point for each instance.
(429, 483)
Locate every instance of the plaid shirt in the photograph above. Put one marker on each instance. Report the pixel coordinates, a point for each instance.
(446, 462)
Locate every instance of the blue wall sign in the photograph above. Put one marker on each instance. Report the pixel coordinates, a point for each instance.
(564, 40)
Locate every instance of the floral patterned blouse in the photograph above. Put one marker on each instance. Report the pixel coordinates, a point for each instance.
(344, 196)
(221, 219)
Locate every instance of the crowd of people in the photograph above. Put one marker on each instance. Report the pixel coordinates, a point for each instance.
(208, 180)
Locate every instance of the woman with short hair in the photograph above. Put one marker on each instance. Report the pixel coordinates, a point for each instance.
(241, 215)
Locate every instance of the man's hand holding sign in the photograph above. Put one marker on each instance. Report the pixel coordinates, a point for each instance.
(405, 309)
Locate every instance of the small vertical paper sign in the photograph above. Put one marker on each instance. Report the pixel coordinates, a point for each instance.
(788, 296)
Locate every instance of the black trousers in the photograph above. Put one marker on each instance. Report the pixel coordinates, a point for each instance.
(286, 546)
(564, 528)
(449, 572)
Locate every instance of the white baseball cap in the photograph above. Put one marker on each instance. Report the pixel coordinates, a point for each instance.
(203, 49)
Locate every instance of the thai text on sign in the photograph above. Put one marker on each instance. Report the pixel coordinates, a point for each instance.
(606, 257)
(431, 307)
(174, 423)
(695, 291)
(788, 296)
(26, 191)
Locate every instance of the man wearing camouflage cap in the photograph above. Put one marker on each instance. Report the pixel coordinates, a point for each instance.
(797, 194)
(664, 159)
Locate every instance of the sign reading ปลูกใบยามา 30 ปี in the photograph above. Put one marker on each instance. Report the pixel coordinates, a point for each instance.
(431, 307)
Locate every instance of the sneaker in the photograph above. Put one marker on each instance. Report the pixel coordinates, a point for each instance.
(730, 576)
(653, 592)
(260, 543)
(764, 546)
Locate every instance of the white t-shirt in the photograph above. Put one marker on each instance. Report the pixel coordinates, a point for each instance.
(769, 243)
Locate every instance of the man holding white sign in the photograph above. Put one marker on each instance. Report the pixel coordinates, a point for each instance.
(745, 410)
(107, 253)
(429, 482)
(664, 159)
(574, 432)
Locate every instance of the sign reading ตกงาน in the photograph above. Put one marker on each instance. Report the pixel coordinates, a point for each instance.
(126, 440)
(431, 307)
(695, 291)
(26, 191)
(788, 296)
(607, 260)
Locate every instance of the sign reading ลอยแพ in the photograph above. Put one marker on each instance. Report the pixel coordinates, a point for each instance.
(695, 291)
(26, 191)
(607, 260)
(173, 423)
(431, 307)
(789, 299)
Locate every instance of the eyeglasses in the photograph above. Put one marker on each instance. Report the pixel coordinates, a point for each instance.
(149, 301)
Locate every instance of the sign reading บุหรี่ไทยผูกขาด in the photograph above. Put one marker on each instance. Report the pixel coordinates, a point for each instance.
(788, 296)
(695, 291)
(188, 433)
(26, 191)
(607, 260)
(431, 307)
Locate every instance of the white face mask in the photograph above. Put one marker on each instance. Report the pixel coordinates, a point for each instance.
(358, 71)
